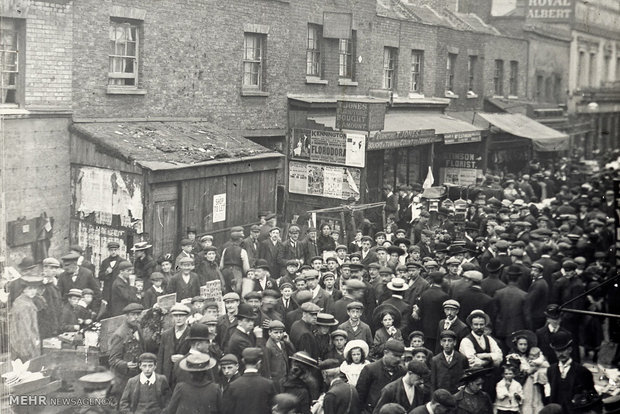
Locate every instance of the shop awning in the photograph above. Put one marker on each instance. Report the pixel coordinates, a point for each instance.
(403, 121)
(544, 138)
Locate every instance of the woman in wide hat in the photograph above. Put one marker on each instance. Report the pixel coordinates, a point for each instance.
(388, 317)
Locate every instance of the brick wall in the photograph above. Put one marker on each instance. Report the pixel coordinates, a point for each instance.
(550, 59)
(48, 30)
(190, 68)
(37, 177)
(507, 49)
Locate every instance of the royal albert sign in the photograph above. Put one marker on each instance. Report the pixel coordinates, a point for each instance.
(550, 10)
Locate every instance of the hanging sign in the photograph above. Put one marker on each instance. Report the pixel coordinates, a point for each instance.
(462, 137)
(360, 116)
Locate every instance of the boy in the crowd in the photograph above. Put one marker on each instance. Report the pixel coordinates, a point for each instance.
(278, 350)
(147, 392)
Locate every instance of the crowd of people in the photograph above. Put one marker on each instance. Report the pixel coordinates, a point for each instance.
(437, 313)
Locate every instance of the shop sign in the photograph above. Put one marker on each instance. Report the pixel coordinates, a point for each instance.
(360, 116)
(550, 10)
(219, 207)
(400, 139)
(462, 137)
(324, 180)
(461, 160)
(329, 147)
(460, 176)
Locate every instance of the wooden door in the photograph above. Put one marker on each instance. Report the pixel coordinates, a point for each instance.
(164, 220)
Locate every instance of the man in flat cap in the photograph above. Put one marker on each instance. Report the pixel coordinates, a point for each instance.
(173, 340)
(235, 262)
(509, 304)
(147, 392)
(442, 402)
(376, 375)
(108, 270)
(354, 326)
(250, 244)
(341, 397)
(448, 366)
(123, 290)
(407, 391)
(451, 308)
(292, 249)
(302, 335)
(319, 296)
(185, 283)
(77, 277)
(269, 250)
(126, 345)
(49, 318)
(251, 392)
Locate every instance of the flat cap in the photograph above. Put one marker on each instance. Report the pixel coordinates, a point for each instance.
(394, 346)
(311, 274)
(447, 334)
(180, 309)
(444, 397)
(186, 260)
(156, 276)
(293, 229)
(186, 242)
(87, 291)
(147, 357)
(253, 295)
(231, 296)
(75, 292)
(206, 237)
(124, 265)
(51, 261)
(355, 284)
(70, 257)
(329, 364)
(418, 368)
(229, 359)
(252, 355)
(310, 307)
(133, 308)
(275, 324)
(451, 303)
(271, 293)
(473, 275)
(113, 245)
(339, 332)
(355, 305)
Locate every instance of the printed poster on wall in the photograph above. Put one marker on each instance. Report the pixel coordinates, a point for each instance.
(459, 176)
(219, 207)
(324, 180)
(213, 290)
(328, 147)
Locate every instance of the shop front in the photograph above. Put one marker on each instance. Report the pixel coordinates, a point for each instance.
(516, 139)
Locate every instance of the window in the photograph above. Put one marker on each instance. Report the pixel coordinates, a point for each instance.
(498, 78)
(471, 73)
(606, 66)
(557, 88)
(548, 89)
(450, 67)
(389, 67)
(581, 69)
(313, 51)
(539, 88)
(514, 78)
(417, 62)
(253, 60)
(9, 53)
(617, 78)
(345, 61)
(124, 49)
(592, 70)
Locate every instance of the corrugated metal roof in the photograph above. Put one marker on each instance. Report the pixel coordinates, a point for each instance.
(179, 143)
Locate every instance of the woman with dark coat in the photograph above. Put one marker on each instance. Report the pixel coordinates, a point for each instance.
(325, 241)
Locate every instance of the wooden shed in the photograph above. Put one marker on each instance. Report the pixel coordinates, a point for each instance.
(152, 180)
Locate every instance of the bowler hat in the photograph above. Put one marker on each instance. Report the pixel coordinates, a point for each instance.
(494, 265)
(246, 311)
(560, 340)
(514, 270)
(395, 250)
(553, 311)
(198, 332)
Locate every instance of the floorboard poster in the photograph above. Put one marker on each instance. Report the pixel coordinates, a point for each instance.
(324, 180)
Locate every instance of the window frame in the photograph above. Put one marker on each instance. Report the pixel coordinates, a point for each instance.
(345, 58)
(540, 86)
(472, 65)
(592, 66)
(390, 71)
(113, 76)
(419, 73)
(314, 67)
(498, 78)
(253, 61)
(18, 85)
(514, 78)
(450, 71)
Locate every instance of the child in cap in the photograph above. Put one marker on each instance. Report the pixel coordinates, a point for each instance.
(229, 371)
(197, 308)
(70, 320)
(149, 297)
(329, 280)
(278, 350)
(147, 392)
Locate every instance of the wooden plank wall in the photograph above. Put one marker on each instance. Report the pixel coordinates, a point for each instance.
(246, 194)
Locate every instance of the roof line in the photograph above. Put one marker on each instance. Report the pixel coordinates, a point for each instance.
(175, 166)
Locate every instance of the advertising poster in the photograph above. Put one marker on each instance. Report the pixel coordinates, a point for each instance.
(324, 180)
(213, 290)
(355, 150)
(219, 207)
(328, 147)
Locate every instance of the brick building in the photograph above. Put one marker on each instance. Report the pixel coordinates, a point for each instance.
(36, 38)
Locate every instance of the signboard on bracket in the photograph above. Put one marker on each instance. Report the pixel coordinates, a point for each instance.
(360, 116)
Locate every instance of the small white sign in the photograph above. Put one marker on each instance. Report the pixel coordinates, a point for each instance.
(219, 207)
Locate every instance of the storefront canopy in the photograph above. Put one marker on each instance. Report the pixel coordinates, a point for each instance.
(545, 139)
(407, 121)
